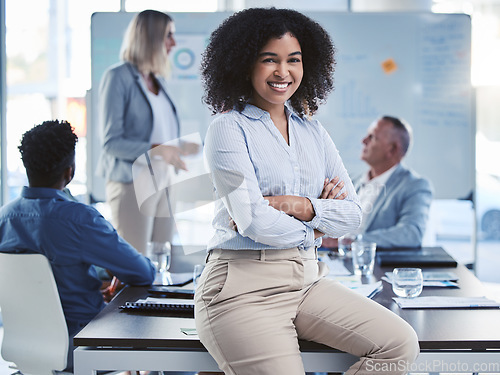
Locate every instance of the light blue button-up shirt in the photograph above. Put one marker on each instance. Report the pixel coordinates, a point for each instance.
(249, 159)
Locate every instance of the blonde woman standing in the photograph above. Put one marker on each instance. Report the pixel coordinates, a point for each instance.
(137, 115)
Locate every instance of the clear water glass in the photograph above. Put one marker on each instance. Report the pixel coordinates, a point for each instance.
(160, 254)
(344, 244)
(407, 282)
(363, 257)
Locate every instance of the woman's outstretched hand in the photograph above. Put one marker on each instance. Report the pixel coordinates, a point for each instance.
(171, 155)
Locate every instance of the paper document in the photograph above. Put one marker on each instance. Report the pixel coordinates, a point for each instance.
(335, 265)
(435, 283)
(444, 302)
(369, 290)
(354, 283)
(433, 276)
(440, 275)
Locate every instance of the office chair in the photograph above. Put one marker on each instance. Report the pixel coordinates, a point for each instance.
(35, 332)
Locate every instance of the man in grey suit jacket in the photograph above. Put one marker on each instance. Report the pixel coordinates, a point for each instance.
(395, 200)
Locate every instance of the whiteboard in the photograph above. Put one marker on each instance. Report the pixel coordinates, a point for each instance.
(410, 65)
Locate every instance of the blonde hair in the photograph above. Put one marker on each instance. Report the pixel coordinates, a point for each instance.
(144, 42)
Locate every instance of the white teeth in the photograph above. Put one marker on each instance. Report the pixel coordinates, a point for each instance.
(278, 85)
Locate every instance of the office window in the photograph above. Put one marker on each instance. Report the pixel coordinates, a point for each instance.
(172, 5)
(48, 74)
(454, 221)
(30, 81)
(48, 70)
(300, 5)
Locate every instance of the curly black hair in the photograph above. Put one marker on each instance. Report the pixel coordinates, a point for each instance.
(234, 47)
(47, 150)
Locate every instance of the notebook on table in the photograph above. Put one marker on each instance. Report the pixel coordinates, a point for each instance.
(168, 306)
(415, 257)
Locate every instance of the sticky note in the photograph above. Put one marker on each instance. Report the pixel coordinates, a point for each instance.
(189, 331)
(389, 66)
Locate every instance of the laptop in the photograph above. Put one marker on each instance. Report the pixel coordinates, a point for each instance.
(415, 257)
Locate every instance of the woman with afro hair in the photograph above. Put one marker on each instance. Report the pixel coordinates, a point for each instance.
(280, 186)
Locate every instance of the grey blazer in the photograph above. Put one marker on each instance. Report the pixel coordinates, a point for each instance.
(400, 213)
(126, 120)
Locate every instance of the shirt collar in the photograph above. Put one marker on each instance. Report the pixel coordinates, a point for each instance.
(42, 193)
(256, 113)
(380, 179)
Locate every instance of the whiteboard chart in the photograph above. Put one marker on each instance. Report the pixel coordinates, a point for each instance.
(415, 66)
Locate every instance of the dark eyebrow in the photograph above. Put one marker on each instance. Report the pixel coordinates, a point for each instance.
(275, 54)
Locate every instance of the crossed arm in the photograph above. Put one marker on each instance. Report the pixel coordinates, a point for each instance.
(301, 208)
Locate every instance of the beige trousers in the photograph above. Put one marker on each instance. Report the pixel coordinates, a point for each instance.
(131, 223)
(253, 306)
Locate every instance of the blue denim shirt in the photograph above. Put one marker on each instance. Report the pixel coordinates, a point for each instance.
(74, 237)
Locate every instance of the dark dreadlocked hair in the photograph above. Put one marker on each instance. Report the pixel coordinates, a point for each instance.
(47, 150)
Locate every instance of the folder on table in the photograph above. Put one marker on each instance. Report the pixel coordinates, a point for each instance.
(415, 257)
(174, 306)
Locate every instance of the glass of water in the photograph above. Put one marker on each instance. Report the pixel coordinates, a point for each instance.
(160, 253)
(407, 282)
(363, 257)
(344, 244)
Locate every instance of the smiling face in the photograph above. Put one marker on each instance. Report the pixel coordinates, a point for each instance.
(277, 72)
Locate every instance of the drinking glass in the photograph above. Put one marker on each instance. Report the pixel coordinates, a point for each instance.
(345, 243)
(363, 257)
(159, 253)
(407, 282)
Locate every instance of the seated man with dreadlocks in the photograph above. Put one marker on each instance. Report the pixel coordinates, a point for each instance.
(73, 236)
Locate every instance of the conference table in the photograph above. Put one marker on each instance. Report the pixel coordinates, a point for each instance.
(451, 340)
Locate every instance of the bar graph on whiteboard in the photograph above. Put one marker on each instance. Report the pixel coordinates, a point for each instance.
(355, 102)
